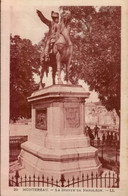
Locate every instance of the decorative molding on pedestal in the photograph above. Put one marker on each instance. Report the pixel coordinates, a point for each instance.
(72, 117)
(41, 119)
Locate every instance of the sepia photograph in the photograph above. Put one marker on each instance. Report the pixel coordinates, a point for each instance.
(64, 102)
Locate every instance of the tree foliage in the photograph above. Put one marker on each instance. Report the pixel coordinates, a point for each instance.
(24, 62)
(96, 56)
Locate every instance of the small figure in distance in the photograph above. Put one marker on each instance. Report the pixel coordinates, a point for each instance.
(96, 130)
(111, 139)
(90, 133)
(86, 130)
(115, 136)
(103, 138)
(98, 141)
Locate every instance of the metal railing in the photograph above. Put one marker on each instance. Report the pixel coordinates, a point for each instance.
(108, 153)
(106, 180)
(15, 146)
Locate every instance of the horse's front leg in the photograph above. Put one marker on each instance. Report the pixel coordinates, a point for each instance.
(58, 60)
(67, 66)
(53, 75)
(41, 85)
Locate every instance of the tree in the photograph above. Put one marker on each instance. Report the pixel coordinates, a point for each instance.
(96, 57)
(24, 62)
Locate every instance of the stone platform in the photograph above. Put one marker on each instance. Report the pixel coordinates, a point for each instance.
(57, 144)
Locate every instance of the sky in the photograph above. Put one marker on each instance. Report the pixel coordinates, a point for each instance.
(25, 22)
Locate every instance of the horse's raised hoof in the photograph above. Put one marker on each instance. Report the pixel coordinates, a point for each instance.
(60, 82)
(41, 85)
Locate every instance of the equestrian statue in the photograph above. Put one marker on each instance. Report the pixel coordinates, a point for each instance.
(57, 49)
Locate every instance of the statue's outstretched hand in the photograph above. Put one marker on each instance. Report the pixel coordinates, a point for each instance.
(38, 12)
(42, 18)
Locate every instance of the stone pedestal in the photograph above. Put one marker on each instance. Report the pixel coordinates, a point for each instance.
(57, 144)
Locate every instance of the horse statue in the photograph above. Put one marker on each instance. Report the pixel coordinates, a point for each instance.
(61, 51)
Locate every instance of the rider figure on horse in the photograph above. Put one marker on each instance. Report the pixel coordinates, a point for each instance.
(52, 34)
(58, 48)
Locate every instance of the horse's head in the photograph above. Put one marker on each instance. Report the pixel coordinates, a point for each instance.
(66, 16)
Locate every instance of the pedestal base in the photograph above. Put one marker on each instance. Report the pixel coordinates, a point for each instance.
(54, 162)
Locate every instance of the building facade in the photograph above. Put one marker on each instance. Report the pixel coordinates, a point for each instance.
(96, 113)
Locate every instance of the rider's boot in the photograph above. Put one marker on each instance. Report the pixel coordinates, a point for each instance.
(60, 81)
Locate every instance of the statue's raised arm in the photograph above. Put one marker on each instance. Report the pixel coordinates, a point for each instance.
(43, 19)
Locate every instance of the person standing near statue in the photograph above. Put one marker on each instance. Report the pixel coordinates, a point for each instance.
(88, 132)
(96, 130)
(52, 34)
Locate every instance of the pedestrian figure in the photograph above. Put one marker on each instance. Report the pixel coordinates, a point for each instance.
(112, 136)
(103, 138)
(115, 137)
(98, 141)
(91, 134)
(108, 138)
(96, 129)
(111, 139)
(86, 130)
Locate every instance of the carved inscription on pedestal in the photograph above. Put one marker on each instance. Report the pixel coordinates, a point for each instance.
(41, 119)
(72, 117)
